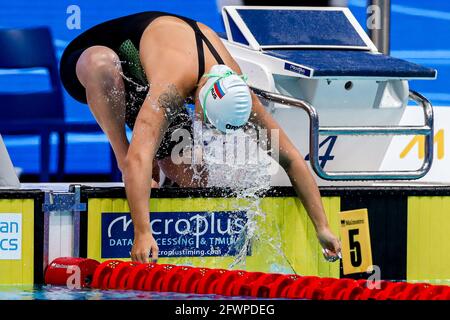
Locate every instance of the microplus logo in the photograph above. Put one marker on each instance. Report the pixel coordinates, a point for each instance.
(178, 234)
(10, 236)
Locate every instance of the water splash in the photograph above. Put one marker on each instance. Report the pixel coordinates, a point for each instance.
(237, 162)
(137, 86)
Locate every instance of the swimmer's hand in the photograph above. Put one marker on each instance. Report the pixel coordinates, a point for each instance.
(330, 244)
(143, 244)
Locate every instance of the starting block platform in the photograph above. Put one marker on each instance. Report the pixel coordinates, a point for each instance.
(316, 43)
(321, 61)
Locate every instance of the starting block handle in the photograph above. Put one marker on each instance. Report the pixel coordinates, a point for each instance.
(315, 131)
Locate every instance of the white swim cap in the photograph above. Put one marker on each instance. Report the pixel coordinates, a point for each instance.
(225, 99)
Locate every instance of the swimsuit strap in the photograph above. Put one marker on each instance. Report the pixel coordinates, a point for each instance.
(211, 48)
(199, 39)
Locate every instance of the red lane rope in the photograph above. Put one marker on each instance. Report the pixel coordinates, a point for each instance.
(115, 274)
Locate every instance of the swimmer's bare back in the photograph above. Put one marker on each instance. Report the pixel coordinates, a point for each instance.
(171, 42)
(169, 55)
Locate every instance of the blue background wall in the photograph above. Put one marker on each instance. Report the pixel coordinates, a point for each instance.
(420, 33)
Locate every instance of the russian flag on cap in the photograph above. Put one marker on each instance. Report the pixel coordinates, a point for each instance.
(218, 90)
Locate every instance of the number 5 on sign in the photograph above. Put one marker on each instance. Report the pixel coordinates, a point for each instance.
(355, 236)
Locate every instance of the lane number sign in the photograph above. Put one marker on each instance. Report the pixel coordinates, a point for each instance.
(355, 236)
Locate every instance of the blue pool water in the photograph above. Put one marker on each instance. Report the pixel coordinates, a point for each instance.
(63, 293)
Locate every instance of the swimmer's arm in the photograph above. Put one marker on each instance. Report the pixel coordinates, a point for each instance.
(171, 77)
(149, 128)
(156, 177)
(137, 177)
(295, 166)
(301, 178)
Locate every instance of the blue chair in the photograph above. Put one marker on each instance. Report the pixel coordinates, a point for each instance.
(36, 113)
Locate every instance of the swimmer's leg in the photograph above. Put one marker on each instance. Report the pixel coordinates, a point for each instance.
(99, 71)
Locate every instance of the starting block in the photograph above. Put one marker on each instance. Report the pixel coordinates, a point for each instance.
(321, 61)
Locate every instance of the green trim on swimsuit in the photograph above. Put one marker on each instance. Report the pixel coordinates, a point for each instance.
(129, 57)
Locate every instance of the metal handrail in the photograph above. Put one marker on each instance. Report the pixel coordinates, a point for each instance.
(315, 131)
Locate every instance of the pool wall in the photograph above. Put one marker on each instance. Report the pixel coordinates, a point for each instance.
(408, 229)
(284, 222)
(21, 237)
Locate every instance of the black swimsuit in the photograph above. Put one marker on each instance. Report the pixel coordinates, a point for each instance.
(123, 36)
